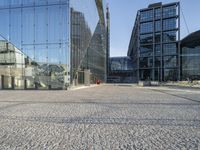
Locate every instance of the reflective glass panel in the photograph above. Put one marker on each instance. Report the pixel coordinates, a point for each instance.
(146, 15)
(146, 27)
(170, 74)
(158, 13)
(146, 62)
(146, 50)
(191, 62)
(157, 37)
(169, 11)
(169, 36)
(146, 39)
(170, 61)
(157, 61)
(170, 49)
(157, 49)
(28, 25)
(158, 26)
(170, 24)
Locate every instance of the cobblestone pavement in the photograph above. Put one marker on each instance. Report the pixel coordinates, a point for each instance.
(104, 117)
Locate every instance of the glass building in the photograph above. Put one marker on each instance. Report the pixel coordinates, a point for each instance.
(190, 57)
(121, 70)
(154, 45)
(51, 44)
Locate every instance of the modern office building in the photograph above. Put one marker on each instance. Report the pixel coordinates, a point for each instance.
(155, 42)
(121, 70)
(51, 44)
(190, 57)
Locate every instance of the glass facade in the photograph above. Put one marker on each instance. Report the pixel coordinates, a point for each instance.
(146, 27)
(158, 25)
(157, 52)
(170, 36)
(88, 40)
(121, 64)
(146, 15)
(170, 24)
(190, 54)
(53, 38)
(169, 11)
(121, 70)
(170, 49)
(146, 50)
(146, 39)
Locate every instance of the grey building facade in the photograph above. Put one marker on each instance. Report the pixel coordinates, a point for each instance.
(155, 43)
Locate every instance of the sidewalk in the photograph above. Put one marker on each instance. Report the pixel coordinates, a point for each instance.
(73, 88)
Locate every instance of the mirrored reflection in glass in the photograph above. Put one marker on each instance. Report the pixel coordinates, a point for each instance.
(146, 62)
(169, 24)
(146, 50)
(170, 49)
(169, 11)
(170, 74)
(169, 36)
(146, 15)
(121, 64)
(146, 39)
(38, 34)
(170, 61)
(146, 27)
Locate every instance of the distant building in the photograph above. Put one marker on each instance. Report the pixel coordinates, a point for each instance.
(121, 70)
(155, 43)
(190, 57)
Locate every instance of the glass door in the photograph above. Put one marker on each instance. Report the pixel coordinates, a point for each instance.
(7, 82)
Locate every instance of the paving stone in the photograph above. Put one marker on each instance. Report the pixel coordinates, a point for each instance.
(103, 117)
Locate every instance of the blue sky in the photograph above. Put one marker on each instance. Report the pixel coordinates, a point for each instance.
(123, 13)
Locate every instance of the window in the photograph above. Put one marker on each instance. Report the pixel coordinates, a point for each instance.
(146, 27)
(146, 62)
(170, 49)
(40, 25)
(54, 27)
(28, 25)
(146, 39)
(169, 36)
(191, 50)
(169, 11)
(146, 15)
(157, 62)
(190, 61)
(15, 3)
(170, 74)
(4, 25)
(158, 37)
(4, 3)
(15, 27)
(158, 26)
(170, 61)
(169, 24)
(146, 50)
(158, 13)
(157, 49)
(28, 2)
(121, 64)
(41, 54)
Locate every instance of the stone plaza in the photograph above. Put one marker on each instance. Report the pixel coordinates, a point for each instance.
(101, 117)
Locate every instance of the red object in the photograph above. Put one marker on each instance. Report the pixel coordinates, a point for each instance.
(98, 82)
